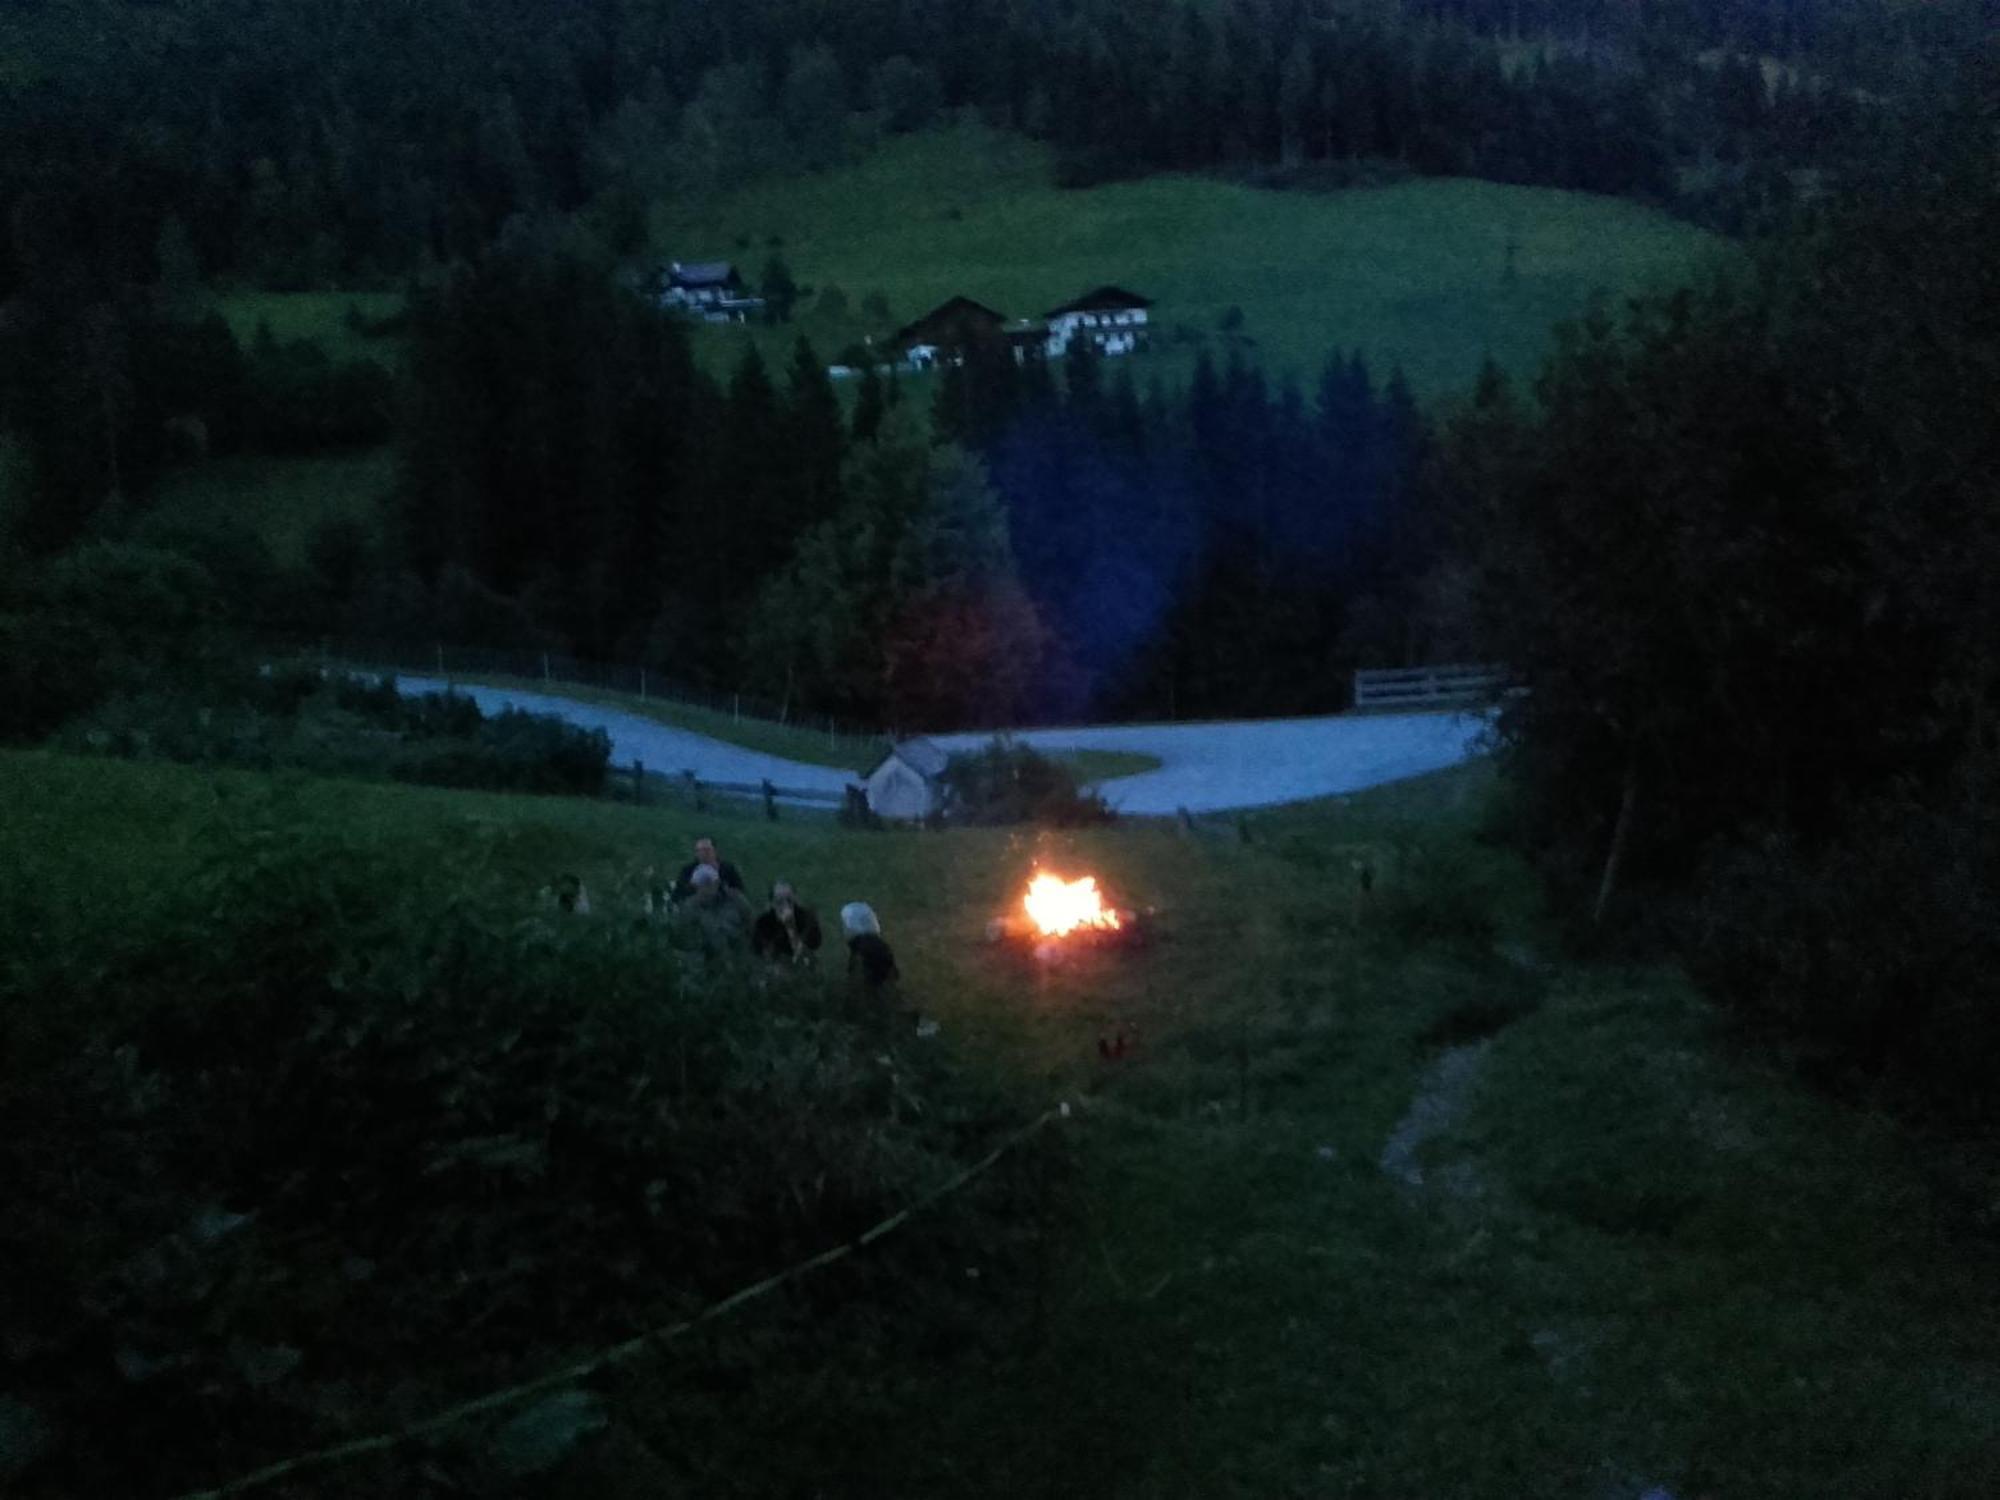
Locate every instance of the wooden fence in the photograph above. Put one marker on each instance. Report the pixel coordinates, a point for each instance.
(695, 791)
(1427, 687)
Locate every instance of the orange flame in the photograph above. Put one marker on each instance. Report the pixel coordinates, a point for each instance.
(1058, 907)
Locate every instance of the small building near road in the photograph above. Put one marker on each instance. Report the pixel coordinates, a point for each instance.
(904, 783)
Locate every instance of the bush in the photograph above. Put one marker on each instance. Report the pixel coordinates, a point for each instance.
(1882, 950)
(1009, 782)
(344, 1133)
(303, 401)
(296, 719)
(95, 622)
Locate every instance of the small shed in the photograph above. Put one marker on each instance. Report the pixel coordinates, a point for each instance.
(904, 783)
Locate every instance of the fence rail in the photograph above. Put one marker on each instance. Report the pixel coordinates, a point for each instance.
(556, 671)
(1426, 687)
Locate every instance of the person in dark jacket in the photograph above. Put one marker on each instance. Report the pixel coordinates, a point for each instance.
(704, 854)
(788, 930)
(869, 958)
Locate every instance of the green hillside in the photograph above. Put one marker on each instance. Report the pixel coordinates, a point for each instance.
(319, 317)
(283, 500)
(1419, 274)
(1613, 1251)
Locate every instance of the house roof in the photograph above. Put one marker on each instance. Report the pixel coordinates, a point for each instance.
(1105, 297)
(920, 755)
(946, 316)
(701, 273)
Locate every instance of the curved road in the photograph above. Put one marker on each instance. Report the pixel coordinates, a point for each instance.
(1204, 767)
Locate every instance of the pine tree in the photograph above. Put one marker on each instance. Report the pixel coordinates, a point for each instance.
(816, 439)
(871, 403)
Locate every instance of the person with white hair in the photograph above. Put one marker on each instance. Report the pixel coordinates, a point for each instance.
(869, 958)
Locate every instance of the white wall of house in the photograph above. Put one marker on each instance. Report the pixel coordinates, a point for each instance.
(896, 790)
(1114, 332)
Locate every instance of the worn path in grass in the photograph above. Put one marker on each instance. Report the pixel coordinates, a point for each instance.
(1203, 767)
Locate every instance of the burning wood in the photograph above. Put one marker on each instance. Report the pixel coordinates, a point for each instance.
(1059, 907)
(1055, 913)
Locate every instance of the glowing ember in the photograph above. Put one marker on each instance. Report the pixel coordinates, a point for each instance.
(1058, 907)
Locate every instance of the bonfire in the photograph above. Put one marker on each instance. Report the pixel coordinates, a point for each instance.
(1055, 914)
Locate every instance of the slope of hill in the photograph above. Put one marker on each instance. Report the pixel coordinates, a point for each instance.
(1432, 275)
(1373, 1199)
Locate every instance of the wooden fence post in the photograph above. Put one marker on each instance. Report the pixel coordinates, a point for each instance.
(545, 666)
(638, 781)
(770, 801)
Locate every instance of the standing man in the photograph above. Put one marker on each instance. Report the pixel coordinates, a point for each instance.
(704, 854)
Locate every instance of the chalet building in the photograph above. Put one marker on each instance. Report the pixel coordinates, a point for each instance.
(1110, 317)
(707, 289)
(943, 334)
(904, 783)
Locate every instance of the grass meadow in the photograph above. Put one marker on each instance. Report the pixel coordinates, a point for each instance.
(317, 317)
(1384, 1199)
(1433, 275)
(283, 500)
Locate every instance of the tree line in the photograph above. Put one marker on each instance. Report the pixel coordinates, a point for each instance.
(1736, 547)
(1026, 541)
(304, 143)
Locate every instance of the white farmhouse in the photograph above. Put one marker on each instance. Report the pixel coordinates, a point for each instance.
(904, 783)
(709, 289)
(1110, 317)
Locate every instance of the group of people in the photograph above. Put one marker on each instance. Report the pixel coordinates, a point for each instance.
(708, 897)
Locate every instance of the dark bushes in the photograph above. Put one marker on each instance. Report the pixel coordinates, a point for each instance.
(350, 1129)
(100, 620)
(295, 719)
(1881, 951)
(1008, 782)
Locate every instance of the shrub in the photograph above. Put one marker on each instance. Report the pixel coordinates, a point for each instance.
(294, 718)
(1009, 782)
(345, 1131)
(1882, 950)
(97, 621)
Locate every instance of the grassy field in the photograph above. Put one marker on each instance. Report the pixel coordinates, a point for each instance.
(321, 317)
(1416, 274)
(1384, 1200)
(284, 500)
